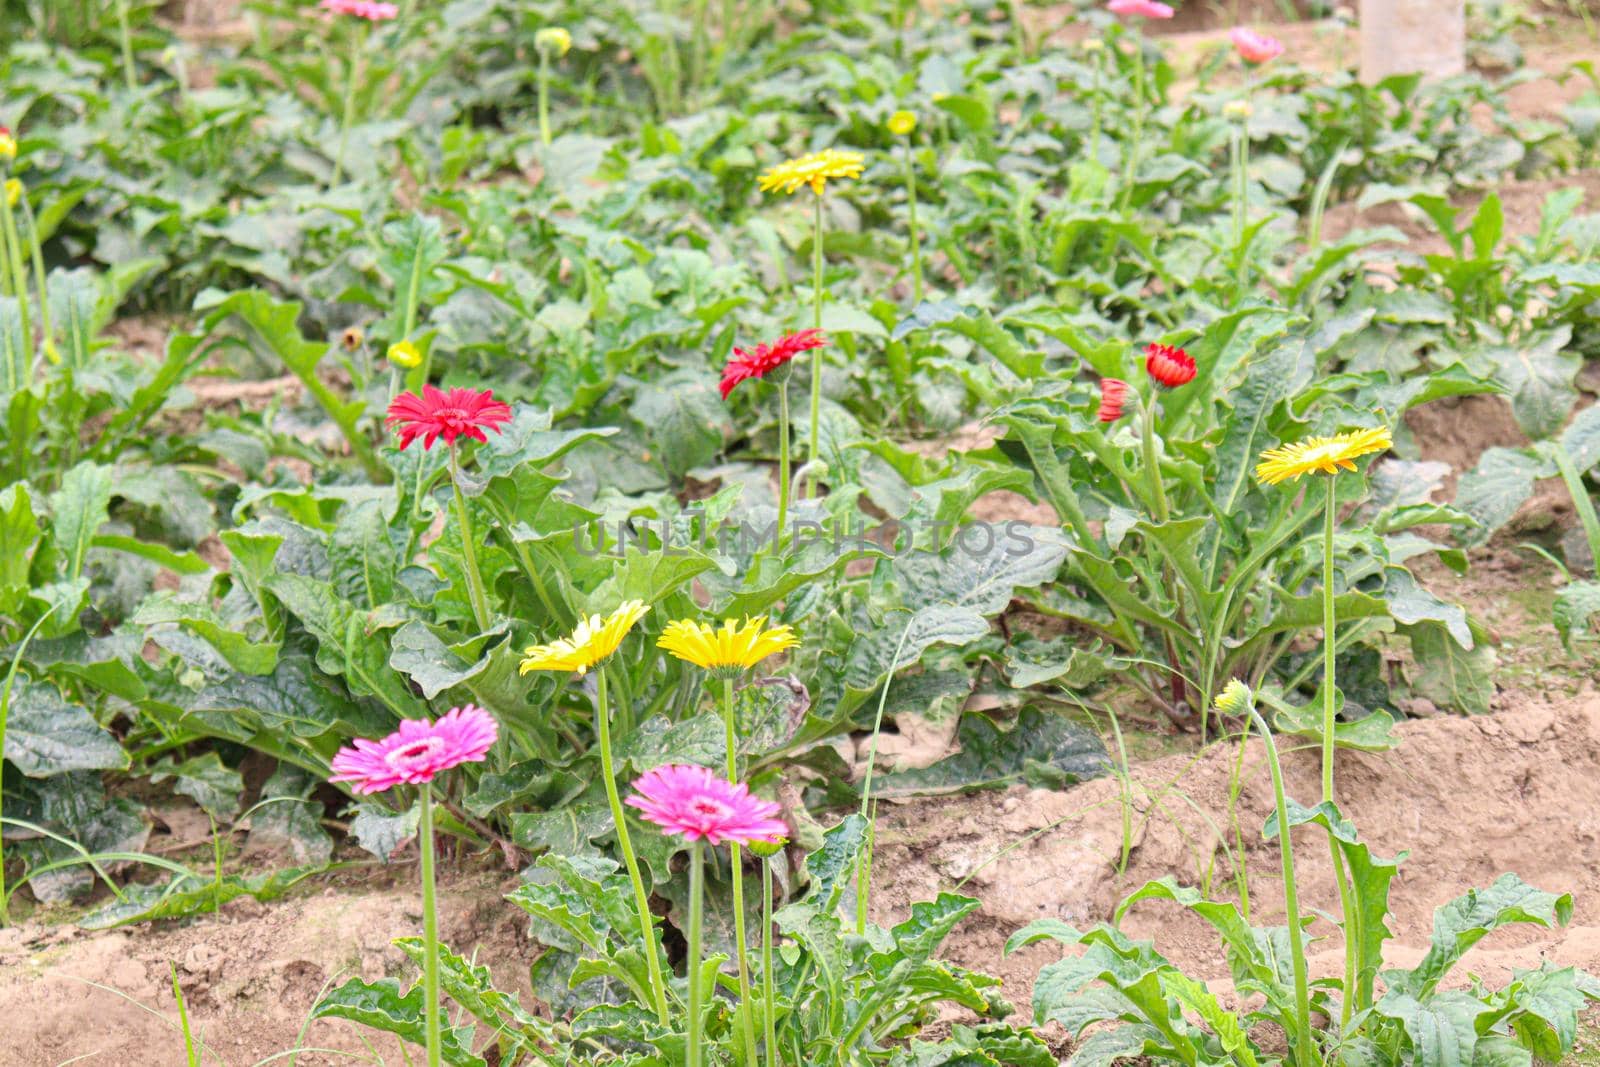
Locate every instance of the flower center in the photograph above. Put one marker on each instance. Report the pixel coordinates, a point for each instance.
(709, 809)
(417, 752)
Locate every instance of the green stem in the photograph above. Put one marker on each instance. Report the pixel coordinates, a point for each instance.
(783, 457)
(469, 551)
(19, 278)
(348, 117)
(916, 239)
(1136, 145)
(747, 1022)
(36, 254)
(812, 452)
(544, 97)
(696, 892)
(864, 863)
(430, 927)
(641, 902)
(1152, 465)
(768, 1010)
(1099, 103)
(1237, 148)
(128, 73)
(1329, 625)
(1291, 903)
(697, 58)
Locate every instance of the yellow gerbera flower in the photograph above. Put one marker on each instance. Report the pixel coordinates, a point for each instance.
(1326, 454)
(902, 123)
(728, 650)
(405, 354)
(593, 640)
(13, 192)
(813, 170)
(553, 39)
(8, 146)
(1234, 699)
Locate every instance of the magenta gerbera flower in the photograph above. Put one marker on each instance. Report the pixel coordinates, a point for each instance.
(362, 9)
(696, 803)
(1255, 47)
(764, 359)
(1149, 9)
(417, 751)
(436, 414)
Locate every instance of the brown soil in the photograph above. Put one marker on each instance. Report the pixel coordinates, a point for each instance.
(249, 975)
(1471, 798)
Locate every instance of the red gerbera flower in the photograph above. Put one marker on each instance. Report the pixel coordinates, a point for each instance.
(1169, 365)
(436, 414)
(1113, 393)
(767, 358)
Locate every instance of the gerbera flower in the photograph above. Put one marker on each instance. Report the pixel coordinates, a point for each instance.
(1169, 365)
(417, 751)
(1329, 455)
(362, 9)
(436, 414)
(694, 802)
(1148, 9)
(1234, 698)
(765, 359)
(553, 39)
(902, 123)
(1255, 47)
(729, 650)
(1113, 394)
(404, 354)
(813, 170)
(593, 640)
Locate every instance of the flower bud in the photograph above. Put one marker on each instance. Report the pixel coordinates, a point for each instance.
(1235, 698)
(767, 849)
(1237, 110)
(553, 39)
(405, 354)
(902, 123)
(352, 338)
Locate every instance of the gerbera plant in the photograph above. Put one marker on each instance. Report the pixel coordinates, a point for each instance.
(773, 359)
(552, 43)
(693, 803)
(435, 414)
(814, 172)
(728, 652)
(414, 755)
(589, 646)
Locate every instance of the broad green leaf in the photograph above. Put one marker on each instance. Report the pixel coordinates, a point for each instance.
(1494, 489)
(381, 1006)
(252, 657)
(1577, 612)
(1449, 675)
(1465, 921)
(78, 509)
(205, 780)
(288, 819)
(1041, 749)
(45, 735)
(184, 896)
(381, 831)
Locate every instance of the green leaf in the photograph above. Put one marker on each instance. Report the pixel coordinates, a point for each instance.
(1577, 612)
(381, 1006)
(205, 780)
(186, 895)
(288, 820)
(78, 510)
(381, 831)
(1449, 675)
(685, 418)
(45, 735)
(1042, 749)
(1442, 1029)
(19, 536)
(978, 326)
(1465, 921)
(243, 654)
(1494, 489)
(1538, 377)
(832, 867)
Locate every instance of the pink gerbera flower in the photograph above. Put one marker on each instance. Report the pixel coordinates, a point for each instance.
(765, 359)
(696, 803)
(417, 751)
(362, 9)
(1149, 9)
(436, 414)
(1255, 47)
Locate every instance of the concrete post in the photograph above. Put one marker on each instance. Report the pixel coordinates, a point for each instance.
(1409, 36)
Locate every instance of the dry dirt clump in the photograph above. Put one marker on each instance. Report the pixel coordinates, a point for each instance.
(1469, 798)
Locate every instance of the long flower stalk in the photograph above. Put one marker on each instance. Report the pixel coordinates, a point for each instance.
(347, 117)
(1304, 1056)
(696, 893)
(641, 902)
(18, 274)
(36, 255)
(430, 925)
(1136, 144)
(813, 452)
(741, 938)
(784, 432)
(769, 1010)
(544, 97)
(469, 551)
(129, 75)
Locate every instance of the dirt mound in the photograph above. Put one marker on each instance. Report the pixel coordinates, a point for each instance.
(250, 976)
(1470, 798)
